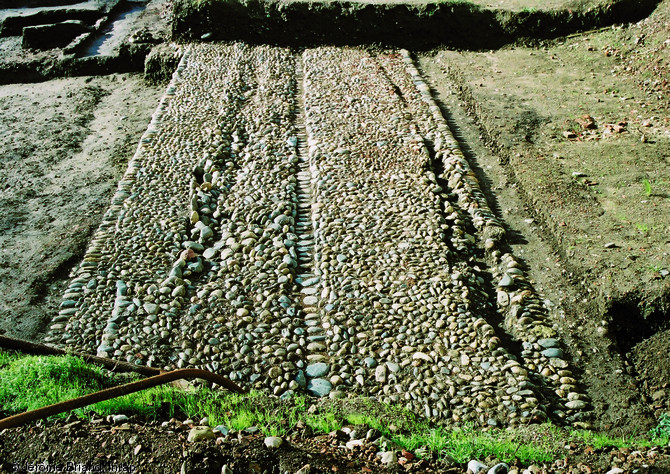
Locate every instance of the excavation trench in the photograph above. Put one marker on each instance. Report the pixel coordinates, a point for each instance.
(642, 342)
(107, 40)
(519, 326)
(630, 327)
(405, 300)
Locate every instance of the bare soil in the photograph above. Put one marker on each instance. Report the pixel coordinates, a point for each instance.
(162, 447)
(153, 448)
(65, 144)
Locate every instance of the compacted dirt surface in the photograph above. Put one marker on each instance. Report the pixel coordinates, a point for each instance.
(64, 146)
(569, 142)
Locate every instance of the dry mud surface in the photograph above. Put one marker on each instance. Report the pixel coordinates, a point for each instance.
(64, 145)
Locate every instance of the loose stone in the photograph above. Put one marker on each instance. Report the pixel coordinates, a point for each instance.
(317, 370)
(273, 442)
(199, 433)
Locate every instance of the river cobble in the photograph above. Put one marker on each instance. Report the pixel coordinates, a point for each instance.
(307, 223)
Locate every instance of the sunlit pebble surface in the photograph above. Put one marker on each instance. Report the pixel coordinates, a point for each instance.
(282, 224)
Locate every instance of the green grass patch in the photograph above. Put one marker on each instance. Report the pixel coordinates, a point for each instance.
(27, 383)
(324, 422)
(657, 438)
(464, 444)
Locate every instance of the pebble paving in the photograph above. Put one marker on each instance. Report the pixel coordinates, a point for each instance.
(306, 223)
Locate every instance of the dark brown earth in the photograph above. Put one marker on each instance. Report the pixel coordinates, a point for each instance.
(564, 136)
(152, 448)
(162, 447)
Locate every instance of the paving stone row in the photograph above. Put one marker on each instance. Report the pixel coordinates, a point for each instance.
(396, 298)
(524, 313)
(307, 222)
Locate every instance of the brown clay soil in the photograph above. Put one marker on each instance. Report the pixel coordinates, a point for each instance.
(571, 140)
(65, 143)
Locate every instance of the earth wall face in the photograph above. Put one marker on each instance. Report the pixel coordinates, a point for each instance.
(417, 26)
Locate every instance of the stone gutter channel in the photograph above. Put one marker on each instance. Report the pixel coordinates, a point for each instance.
(307, 273)
(309, 223)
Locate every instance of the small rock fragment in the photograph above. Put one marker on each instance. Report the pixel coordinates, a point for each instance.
(200, 433)
(389, 457)
(273, 442)
(116, 419)
(475, 467)
(500, 468)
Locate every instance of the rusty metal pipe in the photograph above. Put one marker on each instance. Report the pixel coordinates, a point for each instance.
(42, 349)
(80, 402)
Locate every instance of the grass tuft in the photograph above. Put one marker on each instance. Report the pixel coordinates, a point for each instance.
(324, 422)
(662, 430)
(27, 383)
(6, 358)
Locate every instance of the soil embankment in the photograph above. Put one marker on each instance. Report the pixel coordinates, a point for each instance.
(414, 25)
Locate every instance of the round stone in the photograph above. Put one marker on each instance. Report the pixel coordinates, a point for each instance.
(310, 300)
(273, 442)
(317, 370)
(549, 342)
(553, 353)
(200, 433)
(506, 281)
(319, 387)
